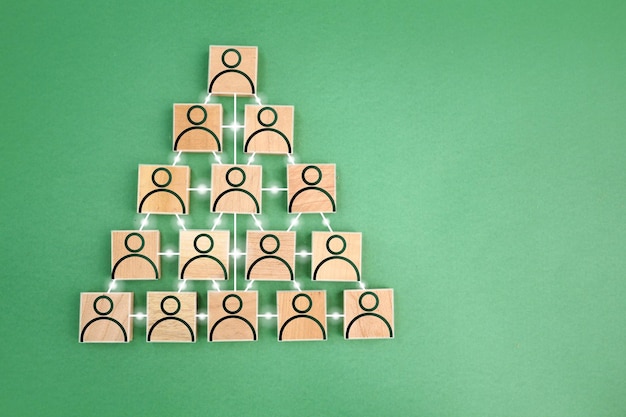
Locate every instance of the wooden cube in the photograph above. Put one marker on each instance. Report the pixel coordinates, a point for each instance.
(268, 129)
(171, 316)
(203, 254)
(135, 254)
(236, 188)
(233, 70)
(336, 256)
(232, 316)
(270, 255)
(105, 317)
(301, 315)
(368, 314)
(198, 127)
(163, 189)
(311, 188)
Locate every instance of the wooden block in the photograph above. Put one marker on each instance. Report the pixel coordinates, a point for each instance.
(163, 189)
(232, 316)
(198, 127)
(135, 254)
(171, 317)
(336, 256)
(301, 315)
(368, 314)
(105, 317)
(236, 188)
(203, 254)
(232, 70)
(311, 188)
(268, 129)
(270, 255)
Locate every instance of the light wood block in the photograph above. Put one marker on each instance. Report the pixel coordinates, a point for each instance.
(368, 314)
(163, 189)
(233, 70)
(301, 315)
(336, 256)
(203, 254)
(135, 254)
(236, 188)
(197, 127)
(171, 316)
(232, 316)
(270, 255)
(268, 129)
(311, 188)
(105, 317)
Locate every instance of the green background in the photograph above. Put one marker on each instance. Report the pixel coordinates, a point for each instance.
(479, 147)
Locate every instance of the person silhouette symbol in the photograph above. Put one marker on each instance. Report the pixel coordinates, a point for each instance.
(161, 190)
(203, 255)
(232, 305)
(302, 304)
(231, 60)
(197, 132)
(235, 191)
(103, 306)
(270, 260)
(170, 307)
(271, 133)
(368, 303)
(139, 261)
(311, 177)
(336, 255)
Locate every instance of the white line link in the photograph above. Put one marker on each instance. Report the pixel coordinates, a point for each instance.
(144, 222)
(177, 158)
(274, 189)
(216, 221)
(235, 128)
(207, 99)
(111, 286)
(251, 158)
(199, 189)
(181, 223)
(258, 100)
(235, 250)
(182, 285)
(256, 221)
(294, 222)
(217, 287)
(249, 286)
(217, 158)
(326, 222)
(168, 253)
(267, 315)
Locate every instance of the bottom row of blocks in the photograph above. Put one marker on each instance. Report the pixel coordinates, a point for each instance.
(233, 316)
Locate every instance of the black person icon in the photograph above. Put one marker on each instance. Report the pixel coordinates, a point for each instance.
(232, 316)
(236, 188)
(270, 255)
(336, 256)
(105, 317)
(198, 127)
(268, 129)
(232, 70)
(163, 189)
(300, 316)
(368, 314)
(171, 317)
(134, 254)
(203, 254)
(311, 188)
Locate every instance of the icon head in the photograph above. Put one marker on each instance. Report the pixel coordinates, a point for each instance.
(134, 248)
(368, 301)
(231, 177)
(196, 115)
(108, 305)
(309, 172)
(233, 56)
(336, 238)
(170, 305)
(161, 177)
(267, 249)
(308, 303)
(198, 241)
(266, 110)
(232, 304)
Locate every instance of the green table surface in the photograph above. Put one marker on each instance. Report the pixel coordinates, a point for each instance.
(480, 149)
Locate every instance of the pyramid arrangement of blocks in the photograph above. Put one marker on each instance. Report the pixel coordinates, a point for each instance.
(211, 254)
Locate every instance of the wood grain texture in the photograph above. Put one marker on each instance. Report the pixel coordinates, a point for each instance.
(270, 255)
(311, 188)
(232, 316)
(368, 314)
(233, 70)
(203, 254)
(171, 316)
(163, 189)
(301, 315)
(336, 256)
(197, 128)
(105, 317)
(236, 188)
(268, 129)
(134, 254)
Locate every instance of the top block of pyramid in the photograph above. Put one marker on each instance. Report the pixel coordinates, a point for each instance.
(233, 70)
